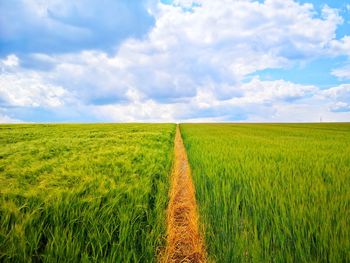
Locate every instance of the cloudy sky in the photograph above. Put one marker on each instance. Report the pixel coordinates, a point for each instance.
(181, 60)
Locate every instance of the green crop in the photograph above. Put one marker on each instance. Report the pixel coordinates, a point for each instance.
(84, 193)
(272, 193)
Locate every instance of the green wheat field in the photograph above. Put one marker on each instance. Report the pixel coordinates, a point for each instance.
(273, 193)
(83, 193)
(99, 192)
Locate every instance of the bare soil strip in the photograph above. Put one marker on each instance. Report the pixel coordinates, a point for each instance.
(184, 242)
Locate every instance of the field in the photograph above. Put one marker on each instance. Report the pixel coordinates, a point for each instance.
(84, 193)
(272, 193)
(100, 192)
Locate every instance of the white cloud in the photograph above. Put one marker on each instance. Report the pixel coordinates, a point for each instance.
(340, 47)
(147, 111)
(339, 98)
(9, 62)
(341, 91)
(342, 73)
(262, 91)
(215, 46)
(7, 119)
(192, 65)
(27, 88)
(260, 101)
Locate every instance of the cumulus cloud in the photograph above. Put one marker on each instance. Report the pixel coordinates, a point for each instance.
(343, 72)
(10, 61)
(260, 101)
(339, 98)
(27, 88)
(199, 61)
(341, 47)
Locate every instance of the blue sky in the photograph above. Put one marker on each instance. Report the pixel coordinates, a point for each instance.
(180, 60)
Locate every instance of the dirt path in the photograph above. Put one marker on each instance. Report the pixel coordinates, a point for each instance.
(184, 243)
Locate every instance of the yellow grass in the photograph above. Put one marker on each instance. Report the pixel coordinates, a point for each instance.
(184, 242)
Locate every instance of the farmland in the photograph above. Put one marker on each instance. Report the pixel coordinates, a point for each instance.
(102, 192)
(272, 192)
(82, 193)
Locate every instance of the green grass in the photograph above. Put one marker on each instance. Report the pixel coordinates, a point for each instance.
(83, 193)
(272, 193)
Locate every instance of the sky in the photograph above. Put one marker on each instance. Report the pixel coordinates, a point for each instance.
(174, 61)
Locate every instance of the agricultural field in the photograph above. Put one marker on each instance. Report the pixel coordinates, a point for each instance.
(100, 192)
(84, 193)
(272, 192)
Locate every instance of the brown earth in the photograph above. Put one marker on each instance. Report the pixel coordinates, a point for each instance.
(184, 242)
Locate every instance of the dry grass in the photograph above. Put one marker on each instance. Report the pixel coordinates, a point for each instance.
(184, 242)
